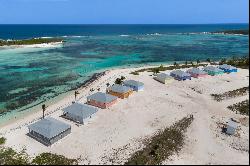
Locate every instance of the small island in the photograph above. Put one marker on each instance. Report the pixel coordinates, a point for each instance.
(236, 32)
(30, 41)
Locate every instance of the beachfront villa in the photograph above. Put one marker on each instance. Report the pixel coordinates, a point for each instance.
(101, 100)
(48, 130)
(120, 91)
(79, 112)
(196, 72)
(135, 85)
(180, 75)
(164, 78)
(211, 70)
(228, 68)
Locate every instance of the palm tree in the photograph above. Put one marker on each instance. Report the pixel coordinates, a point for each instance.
(198, 61)
(76, 93)
(186, 63)
(43, 108)
(208, 60)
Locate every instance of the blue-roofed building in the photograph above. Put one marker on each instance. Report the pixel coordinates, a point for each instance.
(228, 68)
(79, 112)
(211, 70)
(48, 130)
(180, 75)
(135, 85)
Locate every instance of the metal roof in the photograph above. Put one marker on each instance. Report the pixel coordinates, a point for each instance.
(102, 97)
(232, 124)
(228, 67)
(212, 68)
(164, 76)
(119, 88)
(81, 110)
(196, 71)
(180, 73)
(49, 127)
(133, 83)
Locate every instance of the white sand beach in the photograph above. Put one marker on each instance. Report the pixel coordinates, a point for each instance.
(115, 133)
(43, 45)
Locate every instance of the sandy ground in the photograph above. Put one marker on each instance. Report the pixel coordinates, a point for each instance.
(114, 133)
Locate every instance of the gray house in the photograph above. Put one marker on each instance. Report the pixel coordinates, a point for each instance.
(79, 112)
(48, 130)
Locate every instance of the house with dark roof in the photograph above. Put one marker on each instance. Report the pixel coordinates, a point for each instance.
(78, 112)
(101, 100)
(135, 85)
(48, 130)
(180, 75)
(120, 91)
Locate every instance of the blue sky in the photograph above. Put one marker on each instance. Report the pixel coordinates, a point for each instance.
(123, 11)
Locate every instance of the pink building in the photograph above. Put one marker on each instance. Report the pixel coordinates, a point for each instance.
(196, 73)
(101, 100)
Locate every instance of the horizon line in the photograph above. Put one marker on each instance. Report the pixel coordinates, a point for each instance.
(119, 24)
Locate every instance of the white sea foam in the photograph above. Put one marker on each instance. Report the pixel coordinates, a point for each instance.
(124, 35)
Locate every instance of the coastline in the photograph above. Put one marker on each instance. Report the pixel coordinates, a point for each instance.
(102, 134)
(44, 45)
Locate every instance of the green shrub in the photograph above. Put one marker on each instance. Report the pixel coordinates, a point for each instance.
(8, 156)
(2, 140)
(53, 159)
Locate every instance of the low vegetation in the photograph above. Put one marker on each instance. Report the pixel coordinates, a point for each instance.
(2, 140)
(231, 94)
(161, 146)
(8, 156)
(156, 70)
(29, 41)
(120, 80)
(53, 159)
(241, 107)
(241, 62)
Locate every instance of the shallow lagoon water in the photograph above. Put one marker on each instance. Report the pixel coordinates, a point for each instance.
(29, 76)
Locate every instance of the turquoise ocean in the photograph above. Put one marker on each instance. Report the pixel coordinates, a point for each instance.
(29, 76)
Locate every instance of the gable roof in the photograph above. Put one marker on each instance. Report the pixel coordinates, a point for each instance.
(102, 97)
(133, 83)
(227, 67)
(164, 76)
(180, 73)
(119, 88)
(212, 68)
(49, 127)
(82, 110)
(196, 71)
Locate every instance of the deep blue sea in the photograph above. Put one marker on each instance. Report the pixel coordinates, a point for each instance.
(29, 76)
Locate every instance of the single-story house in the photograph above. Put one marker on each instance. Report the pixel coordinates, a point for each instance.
(164, 78)
(135, 85)
(228, 68)
(101, 100)
(195, 72)
(48, 130)
(211, 70)
(79, 112)
(231, 127)
(120, 91)
(180, 75)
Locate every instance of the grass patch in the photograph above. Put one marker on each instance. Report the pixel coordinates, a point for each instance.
(2, 140)
(53, 159)
(241, 107)
(162, 68)
(231, 94)
(9, 156)
(242, 62)
(162, 145)
(134, 73)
